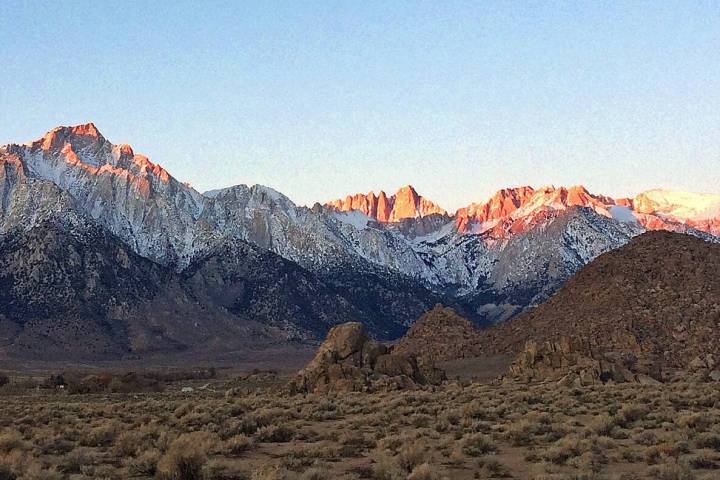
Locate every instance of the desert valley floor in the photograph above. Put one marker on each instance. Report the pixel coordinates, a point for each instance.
(246, 426)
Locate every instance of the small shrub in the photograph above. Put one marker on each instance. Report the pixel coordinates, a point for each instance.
(702, 461)
(603, 425)
(185, 458)
(671, 472)
(271, 472)
(6, 472)
(78, 458)
(478, 444)
(562, 451)
(238, 444)
(386, 469)
(143, 465)
(355, 443)
(708, 440)
(316, 474)
(631, 413)
(410, 455)
(275, 434)
(128, 443)
(493, 468)
(520, 433)
(10, 441)
(424, 472)
(101, 436)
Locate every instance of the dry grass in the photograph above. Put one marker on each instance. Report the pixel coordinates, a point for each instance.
(620, 432)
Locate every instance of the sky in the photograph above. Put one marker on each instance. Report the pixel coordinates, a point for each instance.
(323, 99)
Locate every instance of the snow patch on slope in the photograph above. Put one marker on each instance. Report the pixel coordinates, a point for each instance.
(353, 217)
(622, 214)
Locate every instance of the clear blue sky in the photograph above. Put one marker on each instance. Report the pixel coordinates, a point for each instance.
(321, 99)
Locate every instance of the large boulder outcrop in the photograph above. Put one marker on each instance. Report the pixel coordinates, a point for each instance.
(703, 368)
(576, 362)
(350, 361)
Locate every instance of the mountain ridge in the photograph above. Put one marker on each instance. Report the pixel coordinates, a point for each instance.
(507, 209)
(83, 146)
(384, 274)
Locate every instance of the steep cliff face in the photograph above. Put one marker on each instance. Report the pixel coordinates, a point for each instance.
(405, 203)
(134, 198)
(501, 205)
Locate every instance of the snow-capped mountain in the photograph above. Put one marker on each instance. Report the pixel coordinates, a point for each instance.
(387, 257)
(679, 205)
(511, 211)
(700, 211)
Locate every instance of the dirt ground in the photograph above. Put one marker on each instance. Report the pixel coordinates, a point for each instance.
(243, 426)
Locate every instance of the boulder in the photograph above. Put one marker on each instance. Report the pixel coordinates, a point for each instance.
(698, 364)
(350, 361)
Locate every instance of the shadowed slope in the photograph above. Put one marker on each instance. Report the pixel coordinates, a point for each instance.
(659, 296)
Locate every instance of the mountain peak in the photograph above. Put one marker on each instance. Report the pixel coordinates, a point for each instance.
(405, 203)
(86, 130)
(56, 138)
(406, 190)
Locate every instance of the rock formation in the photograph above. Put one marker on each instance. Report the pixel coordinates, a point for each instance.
(349, 361)
(575, 362)
(705, 368)
(442, 335)
(406, 203)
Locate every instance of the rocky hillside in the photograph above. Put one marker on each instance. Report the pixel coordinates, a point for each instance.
(441, 334)
(72, 291)
(658, 296)
(82, 293)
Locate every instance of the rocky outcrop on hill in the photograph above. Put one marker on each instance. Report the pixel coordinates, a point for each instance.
(442, 335)
(575, 362)
(705, 368)
(656, 299)
(350, 361)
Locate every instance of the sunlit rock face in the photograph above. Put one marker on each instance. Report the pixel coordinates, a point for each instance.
(512, 211)
(134, 198)
(518, 210)
(405, 203)
(666, 208)
(502, 204)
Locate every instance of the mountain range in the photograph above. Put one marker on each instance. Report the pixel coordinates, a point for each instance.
(104, 253)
